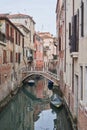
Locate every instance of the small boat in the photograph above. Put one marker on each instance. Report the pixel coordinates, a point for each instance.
(56, 101)
(31, 82)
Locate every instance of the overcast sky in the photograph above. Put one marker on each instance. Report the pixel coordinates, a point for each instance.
(42, 11)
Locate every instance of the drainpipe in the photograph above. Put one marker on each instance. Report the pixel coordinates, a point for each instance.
(14, 73)
(73, 62)
(65, 38)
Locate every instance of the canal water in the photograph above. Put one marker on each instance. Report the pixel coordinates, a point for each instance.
(30, 109)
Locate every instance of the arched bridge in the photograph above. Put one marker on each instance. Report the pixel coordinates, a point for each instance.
(51, 76)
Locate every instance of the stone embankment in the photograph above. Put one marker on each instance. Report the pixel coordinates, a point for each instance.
(56, 89)
(7, 91)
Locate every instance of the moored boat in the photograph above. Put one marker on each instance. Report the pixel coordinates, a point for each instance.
(31, 82)
(56, 101)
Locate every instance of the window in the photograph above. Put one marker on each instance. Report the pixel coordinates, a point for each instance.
(74, 38)
(4, 56)
(11, 56)
(19, 58)
(81, 82)
(59, 43)
(69, 30)
(7, 31)
(19, 39)
(23, 45)
(16, 57)
(16, 36)
(33, 38)
(82, 19)
(11, 34)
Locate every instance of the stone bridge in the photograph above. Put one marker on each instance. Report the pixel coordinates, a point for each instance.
(51, 76)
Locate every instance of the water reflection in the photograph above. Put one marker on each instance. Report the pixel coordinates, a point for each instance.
(30, 110)
(46, 120)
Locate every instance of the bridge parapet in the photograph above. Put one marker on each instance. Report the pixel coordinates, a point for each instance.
(51, 76)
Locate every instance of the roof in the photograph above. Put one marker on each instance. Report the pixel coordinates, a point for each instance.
(45, 35)
(12, 16)
(22, 26)
(3, 17)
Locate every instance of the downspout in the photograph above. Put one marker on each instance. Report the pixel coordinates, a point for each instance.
(73, 62)
(65, 38)
(14, 72)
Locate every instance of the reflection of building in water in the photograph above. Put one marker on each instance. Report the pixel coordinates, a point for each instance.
(40, 88)
(47, 92)
(27, 106)
(63, 121)
(17, 115)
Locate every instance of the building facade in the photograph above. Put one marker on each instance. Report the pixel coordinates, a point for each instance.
(74, 86)
(27, 25)
(38, 55)
(11, 56)
(49, 48)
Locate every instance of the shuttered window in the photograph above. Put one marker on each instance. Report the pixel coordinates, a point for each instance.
(4, 57)
(59, 43)
(7, 31)
(69, 30)
(11, 56)
(16, 36)
(82, 19)
(23, 45)
(19, 58)
(16, 57)
(74, 38)
(13, 35)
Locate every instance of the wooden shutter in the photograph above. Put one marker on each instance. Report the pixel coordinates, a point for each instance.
(82, 19)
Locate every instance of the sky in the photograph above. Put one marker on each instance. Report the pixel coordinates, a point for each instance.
(42, 11)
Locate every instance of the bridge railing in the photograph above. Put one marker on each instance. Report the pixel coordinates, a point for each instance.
(37, 70)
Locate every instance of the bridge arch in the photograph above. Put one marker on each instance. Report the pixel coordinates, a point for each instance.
(49, 76)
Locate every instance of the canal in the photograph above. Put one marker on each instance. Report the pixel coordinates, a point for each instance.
(30, 109)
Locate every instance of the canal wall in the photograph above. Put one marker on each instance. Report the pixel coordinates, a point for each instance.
(73, 121)
(7, 91)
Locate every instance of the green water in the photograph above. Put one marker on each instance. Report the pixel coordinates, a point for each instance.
(30, 110)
